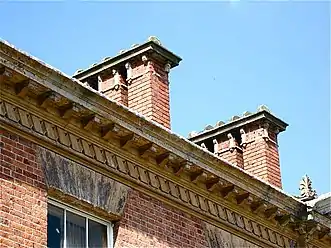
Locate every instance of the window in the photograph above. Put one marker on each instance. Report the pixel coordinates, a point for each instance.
(69, 228)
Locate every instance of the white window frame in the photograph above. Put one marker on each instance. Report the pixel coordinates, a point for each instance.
(87, 216)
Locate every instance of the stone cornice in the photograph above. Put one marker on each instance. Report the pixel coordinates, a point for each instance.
(146, 179)
(239, 123)
(82, 119)
(148, 47)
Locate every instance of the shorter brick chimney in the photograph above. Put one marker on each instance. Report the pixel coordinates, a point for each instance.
(137, 78)
(248, 141)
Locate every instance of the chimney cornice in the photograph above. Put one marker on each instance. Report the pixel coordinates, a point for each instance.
(150, 47)
(239, 123)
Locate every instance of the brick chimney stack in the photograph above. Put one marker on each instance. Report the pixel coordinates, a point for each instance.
(249, 142)
(137, 78)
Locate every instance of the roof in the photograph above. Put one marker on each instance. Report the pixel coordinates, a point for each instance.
(322, 204)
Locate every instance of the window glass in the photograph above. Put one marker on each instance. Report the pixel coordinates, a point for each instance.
(97, 235)
(55, 227)
(75, 230)
(68, 228)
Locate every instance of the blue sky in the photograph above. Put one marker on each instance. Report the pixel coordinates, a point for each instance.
(236, 56)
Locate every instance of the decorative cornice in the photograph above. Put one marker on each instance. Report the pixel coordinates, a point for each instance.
(236, 122)
(150, 47)
(70, 142)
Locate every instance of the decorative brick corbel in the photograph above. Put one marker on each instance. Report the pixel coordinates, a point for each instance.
(265, 133)
(117, 80)
(203, 146)
(128, 72)
(232, 142)
(216, 148)
(276, 130)
(145, 59)
(243, 138)
(99, 82)
(167, 67)
(150, 66)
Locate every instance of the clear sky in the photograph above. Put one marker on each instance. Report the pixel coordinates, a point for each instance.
(236, 56)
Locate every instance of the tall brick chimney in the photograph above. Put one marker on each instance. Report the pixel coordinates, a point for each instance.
(249, 142)
(137, 78)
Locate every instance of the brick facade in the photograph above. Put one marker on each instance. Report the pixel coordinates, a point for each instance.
(23, 202)
(148, 222)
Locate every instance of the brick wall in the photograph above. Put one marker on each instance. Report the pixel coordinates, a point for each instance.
(229, 150)
(23, 203)
(145, 90)
(118, 91)
(148, 222)
(234, 156)
(148, 92)
(261, 157)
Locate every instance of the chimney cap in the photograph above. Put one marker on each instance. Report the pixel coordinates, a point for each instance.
(238, 122)
(152, 47)
(155, 40)
(263, 108)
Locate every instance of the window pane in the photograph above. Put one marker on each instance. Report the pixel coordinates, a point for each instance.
(55, 228)
(76, 231)
(97, 235)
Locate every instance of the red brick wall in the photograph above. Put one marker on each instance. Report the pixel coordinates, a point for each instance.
(261, 158)
(148, 222)
(119, 93)
(233, 154)
(148, 92)
(23, 203)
